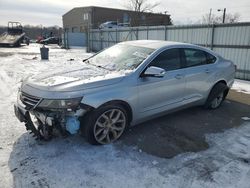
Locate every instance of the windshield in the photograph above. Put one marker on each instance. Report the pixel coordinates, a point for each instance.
(121, 57)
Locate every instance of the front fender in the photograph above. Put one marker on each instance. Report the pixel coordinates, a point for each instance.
(97, 97)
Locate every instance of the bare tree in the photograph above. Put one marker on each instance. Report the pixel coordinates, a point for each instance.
(230, 18)
(141, 5)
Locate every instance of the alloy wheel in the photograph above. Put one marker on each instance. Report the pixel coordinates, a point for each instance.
(109, 126)
(217, 101)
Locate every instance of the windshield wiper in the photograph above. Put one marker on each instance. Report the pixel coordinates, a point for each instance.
(99, 66)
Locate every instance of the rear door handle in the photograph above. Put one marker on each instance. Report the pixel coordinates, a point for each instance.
(207, 71)
(179, 76)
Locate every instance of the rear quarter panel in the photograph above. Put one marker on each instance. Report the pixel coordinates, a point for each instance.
(226, 71)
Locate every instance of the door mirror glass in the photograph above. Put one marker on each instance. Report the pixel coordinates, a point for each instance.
(153, 71)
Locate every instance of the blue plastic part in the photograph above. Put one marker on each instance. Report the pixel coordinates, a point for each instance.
(72, 124)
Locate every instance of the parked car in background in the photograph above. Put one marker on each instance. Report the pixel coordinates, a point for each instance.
(109, 24)
(124, 24)
(50, 40)
(124, 85)
(39, 38)
(113, 24)
(26, 40)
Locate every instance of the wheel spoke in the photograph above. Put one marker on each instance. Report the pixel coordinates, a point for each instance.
(108, 138)
(100, 124)
(105, 117)
(120, 121)
(103, 136)
(99, 131)
(114, 133)
(111, 114)
(117, 117)
(114, 127)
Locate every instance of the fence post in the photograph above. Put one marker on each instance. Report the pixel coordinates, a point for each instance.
(147, 32)
(165, 32)
(131, 34)
(64, 39)
(108, 38)
(212, 37)
(116, 37)
(137, 33)
(92, 41)
(101, 39)
(67, 40)
(88, 40)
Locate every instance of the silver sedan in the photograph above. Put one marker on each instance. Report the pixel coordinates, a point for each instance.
(124, 85)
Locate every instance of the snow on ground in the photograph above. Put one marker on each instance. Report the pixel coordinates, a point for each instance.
(241, 86)
(72, 162)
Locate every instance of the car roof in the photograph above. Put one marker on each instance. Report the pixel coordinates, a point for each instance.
(156, 44)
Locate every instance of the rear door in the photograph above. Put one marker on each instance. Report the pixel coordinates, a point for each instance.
(156, 94)
(199, 68)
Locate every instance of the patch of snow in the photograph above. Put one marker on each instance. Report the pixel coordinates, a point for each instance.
(154, 162)
(245, 118)
(71, 162)
(241, 86)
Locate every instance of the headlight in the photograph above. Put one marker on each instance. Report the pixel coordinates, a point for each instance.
(62, 103)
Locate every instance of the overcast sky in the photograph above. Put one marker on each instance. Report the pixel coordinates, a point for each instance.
(49, 12)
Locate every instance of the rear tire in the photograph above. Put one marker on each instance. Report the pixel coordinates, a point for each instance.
(217, 96)
(105, 124)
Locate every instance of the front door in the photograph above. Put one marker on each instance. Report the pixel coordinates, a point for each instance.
(157, 94)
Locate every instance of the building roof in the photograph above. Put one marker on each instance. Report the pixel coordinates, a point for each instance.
(115, 9)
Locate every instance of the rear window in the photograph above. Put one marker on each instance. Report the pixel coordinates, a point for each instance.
(210, 58)
(196, 57)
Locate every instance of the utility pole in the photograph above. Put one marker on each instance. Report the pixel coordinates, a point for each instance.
(224, 14)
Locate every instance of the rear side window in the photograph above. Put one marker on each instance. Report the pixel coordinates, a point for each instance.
(168, 60)
(210, 58)
(195, 57)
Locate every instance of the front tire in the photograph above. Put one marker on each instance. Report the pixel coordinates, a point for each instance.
(105, 124)
(216, 96)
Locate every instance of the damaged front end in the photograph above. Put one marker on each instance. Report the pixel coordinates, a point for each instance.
(48, 117)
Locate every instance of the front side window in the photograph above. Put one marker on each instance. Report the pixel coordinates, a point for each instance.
(195, 57)
(168, 60)
(121, 57)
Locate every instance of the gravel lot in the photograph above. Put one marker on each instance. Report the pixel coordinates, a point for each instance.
(190, 148)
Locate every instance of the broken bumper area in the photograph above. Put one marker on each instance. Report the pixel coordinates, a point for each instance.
(23, 116)
(45, 124)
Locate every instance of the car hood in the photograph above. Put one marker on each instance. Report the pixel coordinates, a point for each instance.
(73, 79)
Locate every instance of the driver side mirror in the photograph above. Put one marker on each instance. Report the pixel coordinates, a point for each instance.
(153, 71)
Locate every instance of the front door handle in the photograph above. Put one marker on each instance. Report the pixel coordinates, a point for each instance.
(179, 76)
